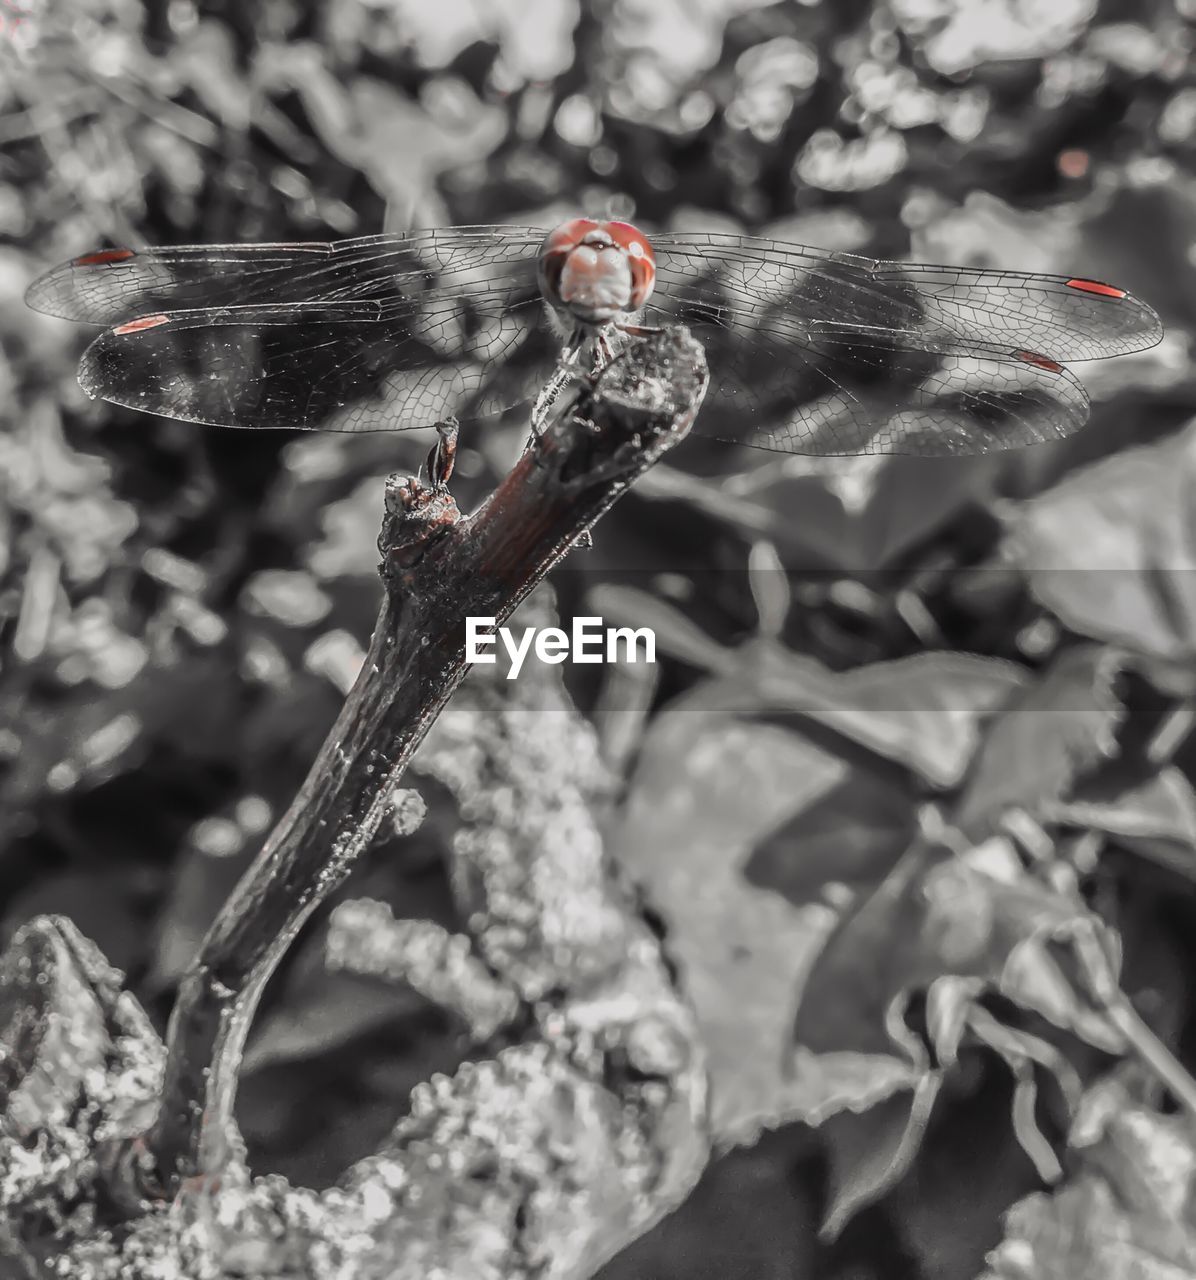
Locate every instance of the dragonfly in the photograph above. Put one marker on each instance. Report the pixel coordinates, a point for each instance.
(810, 351)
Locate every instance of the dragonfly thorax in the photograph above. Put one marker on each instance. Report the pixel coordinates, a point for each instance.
(596, 272)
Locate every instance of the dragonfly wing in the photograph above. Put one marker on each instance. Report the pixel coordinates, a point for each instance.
(931, 307)
(822, 353)
(350, 366)
(866, 400)
(115, 285)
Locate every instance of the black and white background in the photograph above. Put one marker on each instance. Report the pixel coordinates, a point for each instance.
(907, 797)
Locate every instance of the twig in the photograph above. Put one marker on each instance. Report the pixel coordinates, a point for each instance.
(537, 1164)
(438, 570)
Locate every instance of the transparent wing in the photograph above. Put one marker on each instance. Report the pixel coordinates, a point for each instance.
(871, 401)
(350, 366)
(823, 353)
(115, 285)
(379, 333)
(810, 352)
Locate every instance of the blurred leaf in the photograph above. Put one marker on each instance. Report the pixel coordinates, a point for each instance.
(89, 736)
(451, 128)
(853, 514)
(863, 514)
(1112, 549)
(99, 900)
(205, 60)
(986, 231)
(748, 1218)
(1126, 1212)
(851, 835)
(398, 144)
(954, 40)
(1162, 806)
(214, 858)
(923, 711)
(770, 588)
(946, 929)
(708, 787)
(1051, 733)
(1155, 816)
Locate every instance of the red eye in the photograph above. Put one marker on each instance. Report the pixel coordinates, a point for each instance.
(568, 235)
(561, 241)
(558, 244)
(641, 257)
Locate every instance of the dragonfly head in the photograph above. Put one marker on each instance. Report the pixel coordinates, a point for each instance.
(596, 271)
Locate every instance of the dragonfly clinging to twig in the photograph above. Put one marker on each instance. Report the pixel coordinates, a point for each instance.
(810, 351)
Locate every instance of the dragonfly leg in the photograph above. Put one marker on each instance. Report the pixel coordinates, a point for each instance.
(442, 456)
(549, 394)
(564, 374)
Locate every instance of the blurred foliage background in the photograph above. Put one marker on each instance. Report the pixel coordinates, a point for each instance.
(1009, 639)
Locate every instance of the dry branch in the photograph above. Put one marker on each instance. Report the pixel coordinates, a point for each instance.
(549, 1157)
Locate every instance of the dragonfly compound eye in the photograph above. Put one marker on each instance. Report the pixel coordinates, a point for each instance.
(640, 257)
(596, 271)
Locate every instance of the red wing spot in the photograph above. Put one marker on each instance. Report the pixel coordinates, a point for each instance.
(140, 325)
(1039, 361)
(1095, 286)
(103, 258)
